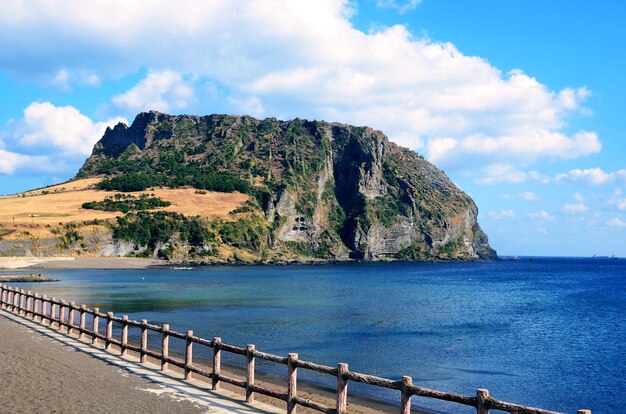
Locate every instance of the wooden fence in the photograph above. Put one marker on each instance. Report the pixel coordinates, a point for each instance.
(52, 312)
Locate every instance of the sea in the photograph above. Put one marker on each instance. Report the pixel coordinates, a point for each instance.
(543, 332)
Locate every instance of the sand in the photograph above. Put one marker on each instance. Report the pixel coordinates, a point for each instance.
(66, 262)
(44, 371)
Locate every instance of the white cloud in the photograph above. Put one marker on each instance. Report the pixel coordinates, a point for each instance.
(401, 7)
(593, 176)
(11, 162)
(540, 215)
(523, 146)
(621, 204)
(575, 208)
(525, 195)
(46, 128)
(615, 222)
(578, 197)
(61, 80)
(498, 215)
(504, 173)
(285, 58)
(541, 230)
(161, 91)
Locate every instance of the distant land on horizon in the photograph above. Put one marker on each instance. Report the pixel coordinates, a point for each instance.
(223, 188)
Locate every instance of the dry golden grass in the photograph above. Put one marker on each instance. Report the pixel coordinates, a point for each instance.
(62, 204)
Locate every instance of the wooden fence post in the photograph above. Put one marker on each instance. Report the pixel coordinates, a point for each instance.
(250, 373)
(81, 326)
(70, 318)
(44, 305)
(16, 298)
(29, 306)
(342, 389)
(292, 390)
(217, 362)
(2, 292)
(22, 302)
(165, 347)
(109, 332)
(124, 347)
(52, 311)
(143, 357)
(33, 306)
(61, 315)
(96, 320)
(38, 307)
(188, 354)
(405, 406)
(482, 396)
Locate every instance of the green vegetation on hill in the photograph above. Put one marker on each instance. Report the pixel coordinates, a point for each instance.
(126, 203)
(317, 189)
(151, 228)
(140, 181)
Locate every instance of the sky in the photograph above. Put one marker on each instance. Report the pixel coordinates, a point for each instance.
(519, 102)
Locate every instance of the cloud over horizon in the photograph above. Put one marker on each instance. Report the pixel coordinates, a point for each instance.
(289, 59)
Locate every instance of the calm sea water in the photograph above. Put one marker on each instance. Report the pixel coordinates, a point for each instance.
(547, 332)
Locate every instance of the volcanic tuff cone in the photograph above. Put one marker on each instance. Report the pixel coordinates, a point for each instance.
(318, 189)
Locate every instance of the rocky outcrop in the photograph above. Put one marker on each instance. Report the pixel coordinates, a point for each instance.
(326, 190)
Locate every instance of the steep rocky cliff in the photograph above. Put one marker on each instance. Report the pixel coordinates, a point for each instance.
(324, 190)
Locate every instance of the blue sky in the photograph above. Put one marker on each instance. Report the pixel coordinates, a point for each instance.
(520, 102)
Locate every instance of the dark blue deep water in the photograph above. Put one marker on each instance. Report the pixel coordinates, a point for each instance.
(547, 332)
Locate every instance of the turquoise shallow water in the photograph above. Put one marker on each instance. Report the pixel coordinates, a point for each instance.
(548, 332)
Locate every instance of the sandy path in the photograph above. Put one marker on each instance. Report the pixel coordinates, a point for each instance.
(44, 371)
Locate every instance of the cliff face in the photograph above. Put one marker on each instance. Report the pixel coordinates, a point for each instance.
(326, 190)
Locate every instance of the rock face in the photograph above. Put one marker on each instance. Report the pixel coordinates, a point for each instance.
(326, 190)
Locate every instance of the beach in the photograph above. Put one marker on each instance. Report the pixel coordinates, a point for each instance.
(67, 262)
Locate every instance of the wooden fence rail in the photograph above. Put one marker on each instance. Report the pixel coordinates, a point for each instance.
(61, 314)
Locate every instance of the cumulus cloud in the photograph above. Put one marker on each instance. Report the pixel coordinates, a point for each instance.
(46, 128)
(287, 59)
(64, 80)
(523, 146)
(541, 215)
(525, 195)
(504, 173)
(615, 222)
(401, 7)
(161, 91)
(578, 208)
(499, 215)
(593, 176)
(12, 162)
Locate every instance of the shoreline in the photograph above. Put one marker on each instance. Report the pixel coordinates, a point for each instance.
(104, 263)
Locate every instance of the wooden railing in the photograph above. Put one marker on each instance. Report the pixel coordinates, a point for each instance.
(51, 311)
